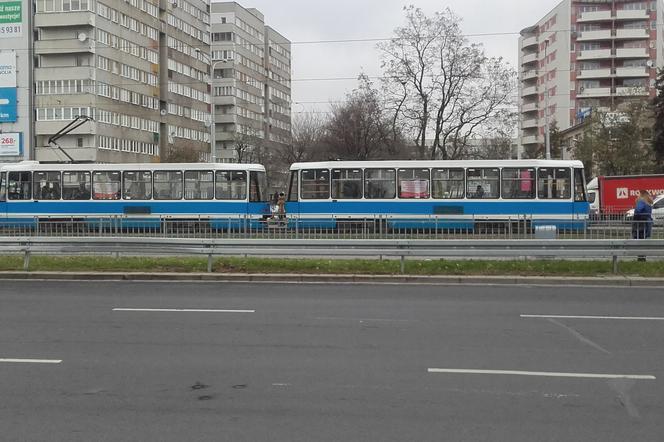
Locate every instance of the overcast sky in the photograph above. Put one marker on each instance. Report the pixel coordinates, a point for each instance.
(304, 21)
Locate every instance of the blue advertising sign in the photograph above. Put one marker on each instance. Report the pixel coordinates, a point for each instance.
(8, 105)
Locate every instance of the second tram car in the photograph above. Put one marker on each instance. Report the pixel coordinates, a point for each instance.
(439, 194)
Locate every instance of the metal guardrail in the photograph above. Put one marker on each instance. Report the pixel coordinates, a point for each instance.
(399, 248)
(378, 227)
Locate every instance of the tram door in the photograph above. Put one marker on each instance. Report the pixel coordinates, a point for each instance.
(293, 195)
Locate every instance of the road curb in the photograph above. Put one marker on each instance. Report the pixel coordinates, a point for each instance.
(620, 281)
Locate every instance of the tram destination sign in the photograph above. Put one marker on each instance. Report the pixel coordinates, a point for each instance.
(11, 19)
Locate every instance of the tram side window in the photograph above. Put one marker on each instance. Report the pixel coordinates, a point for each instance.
(380, 184)
(518, 183)
(414, 183)
(106, 185)
(315, 184)
(167, 184)
(3, 186)
(448, 183)
(294, 188)
(483, 183)
(231, 185)
(554, 184)
(199, 185)
(137, 185)
(19, 186)
(347, 184)
(258, 187)
(47, 185)
(579, 186)
(76, 185)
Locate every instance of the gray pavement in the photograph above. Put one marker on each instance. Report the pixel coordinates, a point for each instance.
(312, 362)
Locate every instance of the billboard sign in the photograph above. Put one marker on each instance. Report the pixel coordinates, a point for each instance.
(7, 69)
(8, 105)
(11, 144)
(11, 19)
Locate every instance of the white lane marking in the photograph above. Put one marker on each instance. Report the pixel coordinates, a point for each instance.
(621, 318)
(180, 310)
(543, 374)
(361, 319)
(32, 361)
(579, 336)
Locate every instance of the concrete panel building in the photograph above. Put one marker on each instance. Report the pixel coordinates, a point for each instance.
(585, 55)
(138, 68)
(15, 79)
(251, 65)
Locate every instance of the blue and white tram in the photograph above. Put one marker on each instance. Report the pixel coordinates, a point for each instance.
(439, 194)
(217, 195)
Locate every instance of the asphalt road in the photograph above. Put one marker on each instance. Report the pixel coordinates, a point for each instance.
(328, 363)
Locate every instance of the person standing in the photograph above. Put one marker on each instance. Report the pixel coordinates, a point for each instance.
(642, 221)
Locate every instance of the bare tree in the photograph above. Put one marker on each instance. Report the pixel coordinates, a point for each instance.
(358, 128)
(440, 85)
(181, 154)
(308, 130)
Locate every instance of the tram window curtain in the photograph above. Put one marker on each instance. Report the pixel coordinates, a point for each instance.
(106, 185)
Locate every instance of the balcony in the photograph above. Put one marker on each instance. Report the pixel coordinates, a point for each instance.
(53, 20)
(530, 58)
(632, 72)
(632, 34)
(597, 54)
(594, 16)
(529, 124)
(534, 139)
(64, 72)
(528, 42)
(528, 75)
(595, 35)
(64, 46)
(529, 107)
(632, 91)
(532, 90)
(594, 92)
(594, 73)
(225, 119)
(638, 14)
(632, 53)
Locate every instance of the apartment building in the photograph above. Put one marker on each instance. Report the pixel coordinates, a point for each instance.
(137, 68)
(251, 65)
(585, 55)
(15, 80)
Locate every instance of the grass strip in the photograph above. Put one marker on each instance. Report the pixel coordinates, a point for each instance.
(331, 266)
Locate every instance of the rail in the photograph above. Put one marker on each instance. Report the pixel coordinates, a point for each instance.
(395, 248)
